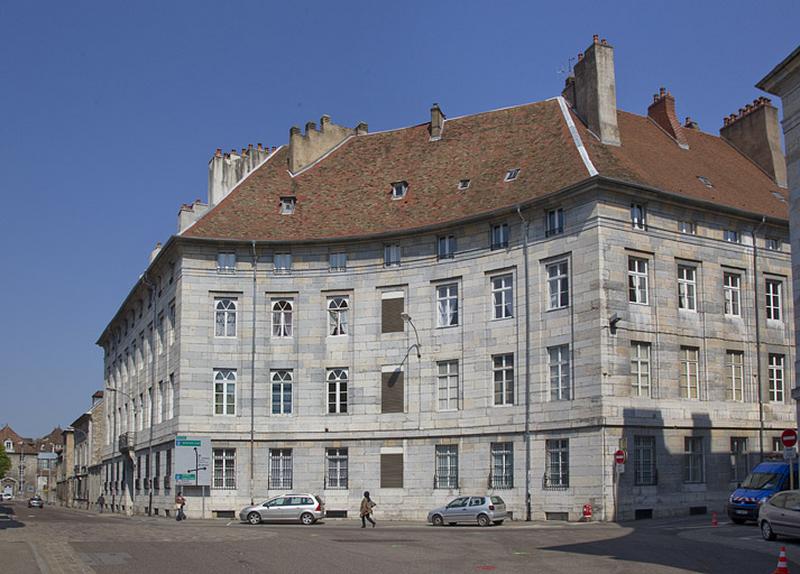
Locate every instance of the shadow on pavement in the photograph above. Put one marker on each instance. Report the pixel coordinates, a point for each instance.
(7, 518)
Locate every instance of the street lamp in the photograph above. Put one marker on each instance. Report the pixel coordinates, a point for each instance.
(407, 318)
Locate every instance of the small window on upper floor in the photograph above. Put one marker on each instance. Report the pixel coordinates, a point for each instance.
(512, 174)
(288, 204)
(687, 227)
(638, 216)
(732, 236)
(772, 244)
(283, 262)
(226, 263)
(399, 189)
(446, 246)
(499, 236)
(337, 261)
(554, 222)
(463, 184)
(391, 255)
(705, 181)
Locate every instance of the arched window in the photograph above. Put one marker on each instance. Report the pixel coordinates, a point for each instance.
(224, 392)
(225, 317)
(282, 317)
(281, 392)
(338, 308)
(337, 391)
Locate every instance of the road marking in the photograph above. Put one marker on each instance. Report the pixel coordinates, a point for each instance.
(43, 568)
(229, 523)
(517, 553)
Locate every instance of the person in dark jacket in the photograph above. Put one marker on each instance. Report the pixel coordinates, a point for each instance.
(366, 510)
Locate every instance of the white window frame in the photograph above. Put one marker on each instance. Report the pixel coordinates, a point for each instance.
(225, 392)
(336, 468)
(776, 367)
(502, 296)
(336, 390)
(399, 189)
(638, 280)
(734, 368)
(501, 467)
(503, 379)
(732, 291)
(281, 380)
(559, 374)
(225, 320)
(641, 353)
(772, 293)
(554, 222)
(447, 385)
(557, 463)
(447, 305)
(557, 284)
(224, 477)
(288, 204)
(282, 317)
(690, 372)
(280, 469)
(512, 174)
(694, 466)
(338, 315)
(446, 467)
(638, 216)
(687, 287)
(644, 460)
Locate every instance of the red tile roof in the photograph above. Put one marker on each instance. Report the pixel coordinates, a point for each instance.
(347, 194)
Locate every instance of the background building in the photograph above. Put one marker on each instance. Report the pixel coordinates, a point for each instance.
(30, 463)
(79, 467)
(496, 302)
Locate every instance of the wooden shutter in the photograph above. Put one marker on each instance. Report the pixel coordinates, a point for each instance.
(392, 470)
(392, 392)
(391, 308)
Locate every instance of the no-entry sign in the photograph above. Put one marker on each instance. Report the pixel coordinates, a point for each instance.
(789, 438)
(619, 457)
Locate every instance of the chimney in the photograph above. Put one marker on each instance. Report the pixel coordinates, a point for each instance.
(225, 170)
(437, 122)
(662, 112)
(568, 93)
(156, 250)
(755, 133)
(691, 124)
(307, 148)
(595, 91)
(189, 213)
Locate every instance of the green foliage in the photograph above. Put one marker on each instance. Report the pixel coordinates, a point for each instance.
(5, 462)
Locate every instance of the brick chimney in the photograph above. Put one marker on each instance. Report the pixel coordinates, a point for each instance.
(225, 170)
(305, 149)
(437, 122)
(595, 92)
(755, 132)
(662, 111)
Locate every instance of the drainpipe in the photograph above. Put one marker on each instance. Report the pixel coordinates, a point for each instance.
(526, 226)
(253, 377)
(758, 342)
(151, 395)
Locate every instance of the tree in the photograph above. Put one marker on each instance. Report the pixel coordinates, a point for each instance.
(5, 462)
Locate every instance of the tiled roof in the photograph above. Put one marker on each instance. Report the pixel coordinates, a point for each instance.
(347, 194)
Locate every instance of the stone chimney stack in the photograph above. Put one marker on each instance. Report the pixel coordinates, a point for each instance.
(307, 148)
(189, 213)
(755, 132)
(154, 253)
(595, 91)
(662, 112)
(226, 170)
(437, 122)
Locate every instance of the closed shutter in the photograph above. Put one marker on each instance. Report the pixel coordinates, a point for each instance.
(391, 309)
(392, 471)
(392, 392)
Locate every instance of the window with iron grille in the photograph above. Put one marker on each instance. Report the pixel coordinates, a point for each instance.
(224, 317)
(225, 468)
(694, 465)
(446, 466)
(336, 468)
(560, 388)
(503, 370)
(280, 468)
(644, 460)
(282, 391)
(502, 465)
(503, 296)
(557, 472)
(740, 464)
(734, 367)
(282, 317)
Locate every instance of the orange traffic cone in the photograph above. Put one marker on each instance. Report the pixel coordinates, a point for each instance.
(783, 566)
(714, 522)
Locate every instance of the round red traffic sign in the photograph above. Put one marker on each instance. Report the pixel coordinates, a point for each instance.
(619, 457)
(789, 438)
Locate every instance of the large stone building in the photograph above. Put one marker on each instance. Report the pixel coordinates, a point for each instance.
(32, 463)
(491, 303)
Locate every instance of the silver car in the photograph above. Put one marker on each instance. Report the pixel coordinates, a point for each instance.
(294, 507)
(483, 510)
(780, 515)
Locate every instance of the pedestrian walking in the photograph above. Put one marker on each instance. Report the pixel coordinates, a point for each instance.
(180, 503)
(101, 502)
(367, 504)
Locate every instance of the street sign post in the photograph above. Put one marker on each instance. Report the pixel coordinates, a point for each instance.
(192, 465)
(620, 457)
(789, 440)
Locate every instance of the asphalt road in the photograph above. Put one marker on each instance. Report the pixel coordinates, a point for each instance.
(55, 540)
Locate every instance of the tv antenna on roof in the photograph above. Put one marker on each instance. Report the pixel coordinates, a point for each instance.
(568, 69)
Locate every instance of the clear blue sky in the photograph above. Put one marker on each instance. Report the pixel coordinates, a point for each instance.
(110, 111)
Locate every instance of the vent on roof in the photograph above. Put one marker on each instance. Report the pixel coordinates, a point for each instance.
(463, 184)
(512, 174)
(399, 189)
(288, 204)
(705, 181)
(779, 196)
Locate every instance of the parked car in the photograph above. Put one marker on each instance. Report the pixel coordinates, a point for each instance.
(481, 510)
(35, 502)
(295, 507)
(766, 479)
(780, 515)
(6, 496)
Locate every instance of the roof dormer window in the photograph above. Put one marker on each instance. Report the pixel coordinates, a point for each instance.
(288, 204)
(399, 189)
(463, 184)
(705, 181)
(512, 174)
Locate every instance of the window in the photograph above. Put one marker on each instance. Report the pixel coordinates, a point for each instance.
(499, 238)
(731, 236)
(640, 368)
(503, 296)
(161, 330)
(777, 444)
(280, 468)
(734, 368)
(512, 174)
(690, 385)
(705, 181)
(337, 262)
(448, 385)
(773, 293)
(554, 222)
(9, 446)
(338, 310)
(391, 255)
(224, 317)
(399, 189)
(732, 286)
(446, 466)
(447, 305)
(463, 184)
(687, 287)
(392, 307)
(740, 465)
(772, 244)
(776, 377)
(557, 285)
(687, 227)
(171, 315)
(225, 468)
(337, 391)
(287, 205)
(637, 280)
(638, 216)
(446, 246)
(226, 262)
(392, 470)
(158, 402)
(694, 470)
(162, 391)
(392, 393)
(559, 373)
(557, 471)
(644, 460)
(282, 317)
(224, 391)
(336, 468)
(282, 380)
(282, 262)
(502, 465)
(503, 369)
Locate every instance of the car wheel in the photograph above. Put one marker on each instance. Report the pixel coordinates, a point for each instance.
(437, 520)
(307, 518)
(766, 531)
(483, 520)
(738, 520)
(498, 522)
(254, 518)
